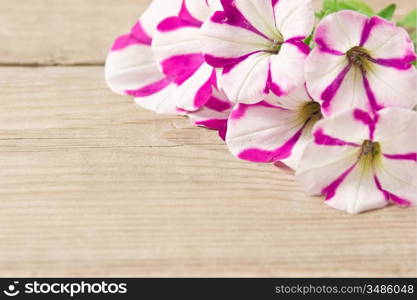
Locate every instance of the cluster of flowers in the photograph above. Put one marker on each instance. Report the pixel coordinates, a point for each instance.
(340, 114)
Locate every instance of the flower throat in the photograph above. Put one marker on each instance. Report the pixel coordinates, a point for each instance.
(310, 113)
(369, 154)
(359, 57)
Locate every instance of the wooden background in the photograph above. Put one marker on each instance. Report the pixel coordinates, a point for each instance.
(90, 185)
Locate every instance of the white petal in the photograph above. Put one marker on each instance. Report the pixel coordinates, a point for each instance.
(357, 192)
(131, 65)
(387, 41)
(258, 13)
(246, 82)
(320, 165)
(199, 9)
(262, 132)
(351, 94)
(340, 31)
(346, 127)
(294, 18)
(196, 90)
(331, 81)
(224, 41)
(131, 68)
(292, 101)
(157, 11)
(214, 114)
(294, 160)
(160, 102)
(396, 131)
(181, 41)
(321, 69)
(215, 4)
(398, 177)
(392, 87)
(287, 68)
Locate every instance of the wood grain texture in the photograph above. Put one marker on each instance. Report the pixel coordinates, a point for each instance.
(56, 32)
(90, 185)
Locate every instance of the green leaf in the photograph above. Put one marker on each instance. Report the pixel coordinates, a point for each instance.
(410, 20)
(356, 5)
(321, 14)
(388, 12)
(309, 39)
(332, 6)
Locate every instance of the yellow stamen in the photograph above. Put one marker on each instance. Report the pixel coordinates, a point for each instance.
(369, 155)
(310, 113)
(360, 58)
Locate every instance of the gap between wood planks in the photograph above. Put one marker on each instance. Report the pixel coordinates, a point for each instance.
(41, 65)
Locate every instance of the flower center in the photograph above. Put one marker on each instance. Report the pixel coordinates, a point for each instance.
(276, 46)
(277, 43)
(369, 154)
(359, 57)
(310, 113)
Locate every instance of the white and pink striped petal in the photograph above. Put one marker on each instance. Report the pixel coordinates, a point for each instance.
(245, 40)
(293, 18)
(131, 68)
(361, 62)
(272, 130)
(214, 114)
(177, 47)
(359, 166)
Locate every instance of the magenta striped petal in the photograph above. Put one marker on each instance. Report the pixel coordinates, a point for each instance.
(205, 91)
(264, 156)
(150, 89)
(320, 138)
(136, 36)
(330, 191)
(323, 47)
(218, 105)
(294, 18)
(234, 17)
(330, 92)
(367, 120)
(390, 45)
(407, 156)
(403, 63)
(182, 67)
(187, 17)
(391, 197)
(131, 68)
(245, 40)
(267, 132)
(385, 79)
(354, 179)
(214, 114)
(177, 47)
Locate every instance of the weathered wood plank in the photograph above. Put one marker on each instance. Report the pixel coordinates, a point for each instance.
(78, 31)
(63, 32)
(92, 186)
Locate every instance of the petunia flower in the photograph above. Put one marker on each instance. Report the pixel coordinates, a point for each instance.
(259, 45)
(273, 130)
(361, 162)
(214, 114)
(177, 47)
(361, 62)
(131, 68)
